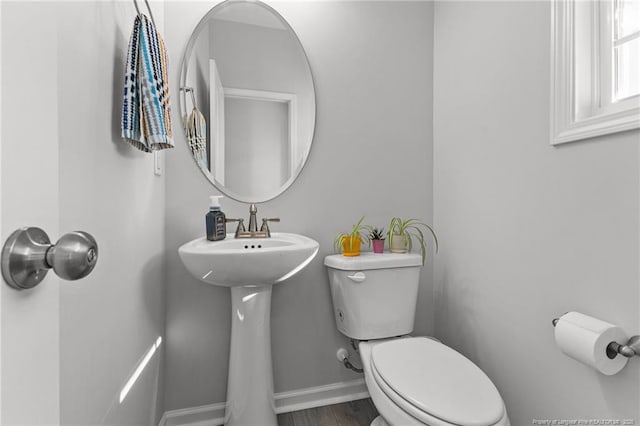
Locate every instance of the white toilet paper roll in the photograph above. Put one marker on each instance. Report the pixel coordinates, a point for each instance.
(585, 339)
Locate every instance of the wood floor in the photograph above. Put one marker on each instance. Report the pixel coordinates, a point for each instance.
(353, 413)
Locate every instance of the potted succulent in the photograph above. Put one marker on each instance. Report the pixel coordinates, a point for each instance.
(376, 237)
(402, 232)
(350, 243)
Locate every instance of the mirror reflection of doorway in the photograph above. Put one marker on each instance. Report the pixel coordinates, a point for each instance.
(253, 159)
(258, 159)
(216, 140)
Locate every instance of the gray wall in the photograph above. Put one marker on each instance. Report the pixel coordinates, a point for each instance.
(110, 320)
(372, 66)
(528, 231)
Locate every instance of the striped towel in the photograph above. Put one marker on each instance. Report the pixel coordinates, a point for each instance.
(146, 114)
(196, 127)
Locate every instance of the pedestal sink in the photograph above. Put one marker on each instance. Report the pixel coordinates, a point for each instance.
(250, 267)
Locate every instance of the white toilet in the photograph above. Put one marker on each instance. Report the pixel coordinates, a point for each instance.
(411, 380)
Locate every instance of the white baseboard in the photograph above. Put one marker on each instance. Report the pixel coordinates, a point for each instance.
(318, 396)
(300, 399)
(204, 415)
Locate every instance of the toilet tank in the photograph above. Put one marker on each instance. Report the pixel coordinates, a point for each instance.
(374, 295)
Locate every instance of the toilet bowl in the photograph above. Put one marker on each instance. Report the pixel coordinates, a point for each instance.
(419, 381)
(411, 380)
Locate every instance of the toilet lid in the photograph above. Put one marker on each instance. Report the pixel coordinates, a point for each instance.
(437, 380)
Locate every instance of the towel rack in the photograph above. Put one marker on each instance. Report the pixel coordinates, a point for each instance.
(190, 90)
(135, 3)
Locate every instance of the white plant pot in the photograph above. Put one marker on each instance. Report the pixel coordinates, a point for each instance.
(399, 244)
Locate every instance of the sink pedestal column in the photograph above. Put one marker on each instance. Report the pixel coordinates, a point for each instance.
(250, 399)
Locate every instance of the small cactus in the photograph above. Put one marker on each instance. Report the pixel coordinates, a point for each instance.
(376, 234)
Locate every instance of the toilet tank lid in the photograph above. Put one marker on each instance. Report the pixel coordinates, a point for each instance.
(370, 260)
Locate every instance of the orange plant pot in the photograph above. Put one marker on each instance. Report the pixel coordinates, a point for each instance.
(351, 248)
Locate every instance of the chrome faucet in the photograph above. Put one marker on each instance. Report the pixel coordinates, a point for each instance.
(253, 225)
(252, 232)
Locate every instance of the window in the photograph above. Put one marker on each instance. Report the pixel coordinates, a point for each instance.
(626, 49)
(595, 68)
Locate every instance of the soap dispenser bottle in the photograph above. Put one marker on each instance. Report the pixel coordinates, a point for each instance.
(215, 220)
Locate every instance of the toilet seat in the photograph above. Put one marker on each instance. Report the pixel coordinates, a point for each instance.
(429, 380)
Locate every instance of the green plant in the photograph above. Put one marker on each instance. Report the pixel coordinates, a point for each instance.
(409, 229)
(358, 230)
(375, 233)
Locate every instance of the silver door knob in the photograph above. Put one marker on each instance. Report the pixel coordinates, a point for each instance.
(28, 255)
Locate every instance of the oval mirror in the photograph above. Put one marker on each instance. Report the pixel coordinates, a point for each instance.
(247, 100)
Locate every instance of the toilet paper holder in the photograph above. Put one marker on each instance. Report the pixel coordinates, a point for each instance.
(631, 349)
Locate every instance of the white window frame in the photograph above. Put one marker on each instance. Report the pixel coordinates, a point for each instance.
(577, 107)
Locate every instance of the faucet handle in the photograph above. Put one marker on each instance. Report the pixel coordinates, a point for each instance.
(265, 225)
(240, 227)
(240, 221)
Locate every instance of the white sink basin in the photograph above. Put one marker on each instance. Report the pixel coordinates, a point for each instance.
(236, 262)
